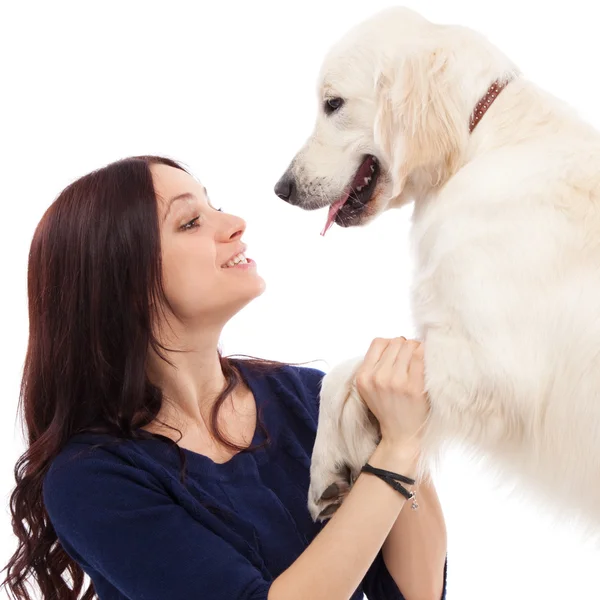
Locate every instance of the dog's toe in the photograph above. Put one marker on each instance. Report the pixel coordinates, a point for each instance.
(328, 511)
(333, 491)
(330, 500)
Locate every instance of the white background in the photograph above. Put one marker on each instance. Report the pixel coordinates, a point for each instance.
(229, 89)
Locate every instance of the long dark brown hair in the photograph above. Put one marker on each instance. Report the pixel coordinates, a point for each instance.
(94, 273)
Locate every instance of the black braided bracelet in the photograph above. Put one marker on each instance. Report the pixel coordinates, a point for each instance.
(395, 476)
(393, 480)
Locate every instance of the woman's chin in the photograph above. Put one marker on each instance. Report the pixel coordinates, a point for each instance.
(257, 289)
(247, 293)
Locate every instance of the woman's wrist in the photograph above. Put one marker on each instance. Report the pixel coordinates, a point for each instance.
(399, 458)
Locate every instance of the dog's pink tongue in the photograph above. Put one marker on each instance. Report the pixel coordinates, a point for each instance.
(334, 209)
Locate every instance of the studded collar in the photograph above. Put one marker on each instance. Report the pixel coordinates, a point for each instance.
(486, 102)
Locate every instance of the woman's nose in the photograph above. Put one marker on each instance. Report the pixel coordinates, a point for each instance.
(234, 228)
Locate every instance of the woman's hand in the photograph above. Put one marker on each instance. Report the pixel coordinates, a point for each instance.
(391, 383)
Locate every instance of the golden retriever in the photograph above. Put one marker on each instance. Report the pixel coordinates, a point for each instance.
(505, 180)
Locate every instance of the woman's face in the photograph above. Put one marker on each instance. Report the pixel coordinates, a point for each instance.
(207, 278)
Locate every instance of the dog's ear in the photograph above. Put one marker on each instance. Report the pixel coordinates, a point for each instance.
(418, 125)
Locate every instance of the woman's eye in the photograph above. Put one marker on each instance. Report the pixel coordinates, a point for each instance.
(219, 209)
(191, 224)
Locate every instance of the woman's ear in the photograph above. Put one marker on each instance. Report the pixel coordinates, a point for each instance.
(418, 125)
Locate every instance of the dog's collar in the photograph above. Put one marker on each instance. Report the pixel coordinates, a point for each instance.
(486, 102)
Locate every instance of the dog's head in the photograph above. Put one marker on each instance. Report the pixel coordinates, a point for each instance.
(392, 122)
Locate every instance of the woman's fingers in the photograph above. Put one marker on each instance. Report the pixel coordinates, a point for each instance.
(404, 357)
(390, 381)
(372, 358)
(386, 363)
(365, 373)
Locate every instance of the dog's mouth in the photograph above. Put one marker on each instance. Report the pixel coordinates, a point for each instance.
(347, 210)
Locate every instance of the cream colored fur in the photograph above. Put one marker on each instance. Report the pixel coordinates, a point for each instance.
(506, 238)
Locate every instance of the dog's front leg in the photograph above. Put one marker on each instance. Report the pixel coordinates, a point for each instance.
(470, 394)
(346, 437)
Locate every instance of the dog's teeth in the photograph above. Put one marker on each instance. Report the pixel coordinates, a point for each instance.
(372, 168)
(367, 180)
(359, 188)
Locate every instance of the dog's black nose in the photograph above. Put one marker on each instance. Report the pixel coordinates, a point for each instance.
(285, 188)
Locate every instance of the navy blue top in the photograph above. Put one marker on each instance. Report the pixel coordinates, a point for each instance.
(121, 511)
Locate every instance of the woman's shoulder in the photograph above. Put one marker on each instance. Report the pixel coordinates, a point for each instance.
(85, 448)
(284, 391)
(297, 380)
(93, 463)
(279, 370)
(309, 378)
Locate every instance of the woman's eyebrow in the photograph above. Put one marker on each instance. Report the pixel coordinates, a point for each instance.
(184, 196)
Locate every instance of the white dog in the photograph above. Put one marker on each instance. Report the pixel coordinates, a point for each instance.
(506, 231)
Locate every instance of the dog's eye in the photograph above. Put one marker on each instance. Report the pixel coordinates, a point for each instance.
(333, 104)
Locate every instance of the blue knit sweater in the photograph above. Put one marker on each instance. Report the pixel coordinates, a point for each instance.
(121, 511)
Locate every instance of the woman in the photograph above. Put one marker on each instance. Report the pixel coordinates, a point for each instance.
(165, 471)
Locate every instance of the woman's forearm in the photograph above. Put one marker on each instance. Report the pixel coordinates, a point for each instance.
(334, 564)
(415, 550)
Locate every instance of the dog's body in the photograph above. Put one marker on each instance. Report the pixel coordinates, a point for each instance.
(506, 234)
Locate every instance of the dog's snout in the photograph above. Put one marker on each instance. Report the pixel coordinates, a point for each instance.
(285, 188)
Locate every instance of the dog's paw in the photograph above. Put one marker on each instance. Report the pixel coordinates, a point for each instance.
(325, 499)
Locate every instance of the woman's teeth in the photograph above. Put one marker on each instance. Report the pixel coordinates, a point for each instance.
(239, 258)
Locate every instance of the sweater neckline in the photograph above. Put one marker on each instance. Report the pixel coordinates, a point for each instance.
(238, 463)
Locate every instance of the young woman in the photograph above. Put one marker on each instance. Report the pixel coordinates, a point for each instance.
(164, 471)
